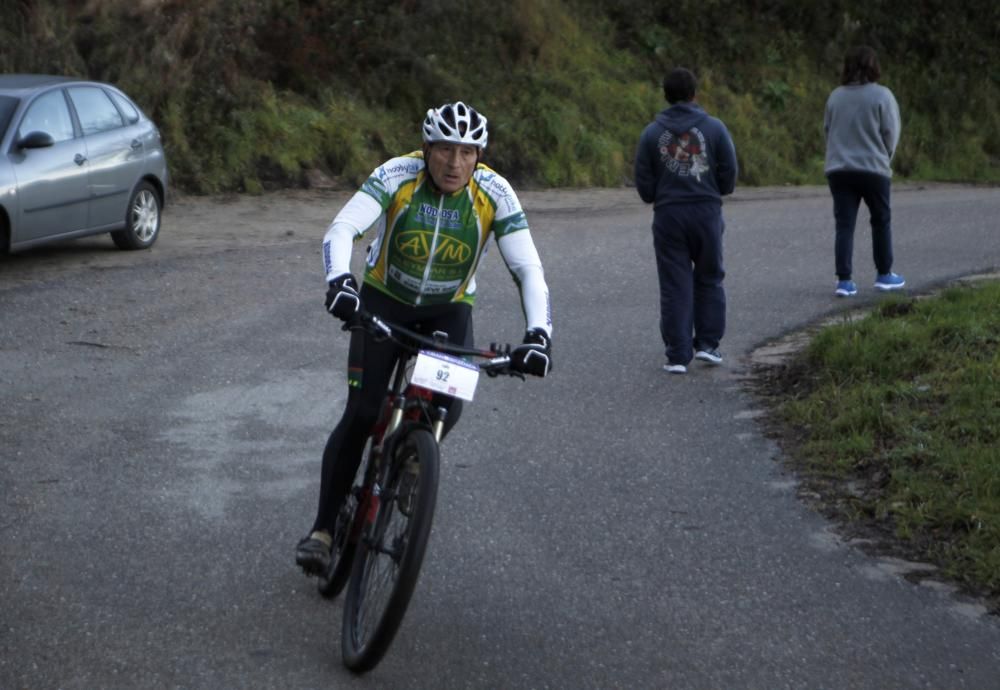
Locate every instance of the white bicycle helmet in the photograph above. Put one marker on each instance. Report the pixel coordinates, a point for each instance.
(456, 123)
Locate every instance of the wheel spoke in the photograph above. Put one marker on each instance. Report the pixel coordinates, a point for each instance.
(380, 573)
(145, 214)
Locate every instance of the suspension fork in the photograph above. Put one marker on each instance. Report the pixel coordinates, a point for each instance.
(438, 427)
(398, 401)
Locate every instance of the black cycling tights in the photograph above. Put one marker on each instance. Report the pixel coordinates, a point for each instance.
(373, 362)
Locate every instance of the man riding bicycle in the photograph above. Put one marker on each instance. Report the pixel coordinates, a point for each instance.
(434, 211)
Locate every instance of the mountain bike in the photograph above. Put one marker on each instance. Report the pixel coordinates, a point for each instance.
(382, 529)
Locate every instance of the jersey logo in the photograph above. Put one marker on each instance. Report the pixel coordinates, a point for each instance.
(416, 244)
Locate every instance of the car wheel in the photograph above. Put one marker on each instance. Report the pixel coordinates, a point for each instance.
(142, 219)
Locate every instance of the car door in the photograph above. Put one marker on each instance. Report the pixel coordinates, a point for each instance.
(52, 188)
(115, 164)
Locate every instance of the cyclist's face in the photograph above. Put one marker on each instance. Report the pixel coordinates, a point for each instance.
(451, 165)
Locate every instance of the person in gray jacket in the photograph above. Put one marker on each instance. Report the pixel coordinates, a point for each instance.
(684, 165)
(862, 130)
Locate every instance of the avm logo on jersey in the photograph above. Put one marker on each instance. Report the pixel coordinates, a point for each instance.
(416, 244)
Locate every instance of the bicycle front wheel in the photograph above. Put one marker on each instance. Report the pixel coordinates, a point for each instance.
(389, 555)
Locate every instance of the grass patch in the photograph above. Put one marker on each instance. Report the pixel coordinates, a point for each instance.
(895, 419)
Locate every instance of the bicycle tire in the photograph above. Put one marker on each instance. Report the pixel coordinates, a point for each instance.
(332, 582)
(388, 558)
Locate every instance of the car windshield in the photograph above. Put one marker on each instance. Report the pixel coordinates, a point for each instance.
(8, 104)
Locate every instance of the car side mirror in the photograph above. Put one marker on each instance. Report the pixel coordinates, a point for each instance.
(35, 140)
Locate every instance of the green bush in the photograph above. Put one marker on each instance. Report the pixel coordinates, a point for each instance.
(249, 93)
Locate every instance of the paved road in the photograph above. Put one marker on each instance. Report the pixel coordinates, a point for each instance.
(609, 527)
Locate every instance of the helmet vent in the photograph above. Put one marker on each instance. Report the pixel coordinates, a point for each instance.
(456, 123)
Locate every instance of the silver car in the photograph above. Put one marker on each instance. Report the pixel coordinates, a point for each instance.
(78, 158)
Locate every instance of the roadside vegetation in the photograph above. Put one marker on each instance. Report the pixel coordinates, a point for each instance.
(252, 94)
(893, 420)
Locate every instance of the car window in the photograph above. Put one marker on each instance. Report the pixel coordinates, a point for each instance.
(128, 110)
(8, 104)
(48, 113)
(96, 111)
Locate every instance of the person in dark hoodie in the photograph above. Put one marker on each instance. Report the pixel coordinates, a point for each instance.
(685, 164)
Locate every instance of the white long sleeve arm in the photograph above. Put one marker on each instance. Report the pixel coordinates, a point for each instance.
(358, 214)
(519, 253)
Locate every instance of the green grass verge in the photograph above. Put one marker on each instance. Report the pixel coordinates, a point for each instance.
(906, 404)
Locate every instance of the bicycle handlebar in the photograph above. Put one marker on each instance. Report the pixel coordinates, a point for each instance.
(498, 357)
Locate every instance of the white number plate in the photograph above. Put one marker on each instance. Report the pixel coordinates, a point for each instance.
(443, 373)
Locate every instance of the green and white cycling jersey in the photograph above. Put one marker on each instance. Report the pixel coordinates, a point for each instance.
(428, 245)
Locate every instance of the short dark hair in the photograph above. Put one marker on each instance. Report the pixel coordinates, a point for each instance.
(680, 85)
(860, 66)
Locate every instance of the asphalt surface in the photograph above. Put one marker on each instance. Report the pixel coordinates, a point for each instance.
(612, 526)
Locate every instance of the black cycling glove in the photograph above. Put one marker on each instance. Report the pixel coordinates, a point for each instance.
(535, 355)
(342, 298)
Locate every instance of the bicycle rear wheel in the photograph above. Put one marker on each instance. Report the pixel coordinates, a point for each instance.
(389, 555)
(346, 531)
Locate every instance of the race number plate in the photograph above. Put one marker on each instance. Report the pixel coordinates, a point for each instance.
(443, 373)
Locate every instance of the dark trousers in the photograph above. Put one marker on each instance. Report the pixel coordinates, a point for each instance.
(370, 365)
(848, 189)
(688, 243)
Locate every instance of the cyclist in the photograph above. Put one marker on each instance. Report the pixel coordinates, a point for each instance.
(433, 211)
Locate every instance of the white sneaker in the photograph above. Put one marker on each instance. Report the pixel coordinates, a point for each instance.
(709, 356)
(675, 368)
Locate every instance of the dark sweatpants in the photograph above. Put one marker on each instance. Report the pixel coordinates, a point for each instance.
(688, 243)
(848, 188)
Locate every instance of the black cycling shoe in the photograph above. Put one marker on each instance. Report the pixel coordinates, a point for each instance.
(313, 553)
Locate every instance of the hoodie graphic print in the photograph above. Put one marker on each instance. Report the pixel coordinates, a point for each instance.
(684, 154)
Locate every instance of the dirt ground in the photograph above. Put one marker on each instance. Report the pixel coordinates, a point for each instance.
(208, 223)
(194, 223)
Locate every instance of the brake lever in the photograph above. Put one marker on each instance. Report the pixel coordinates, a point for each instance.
(378, 330)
